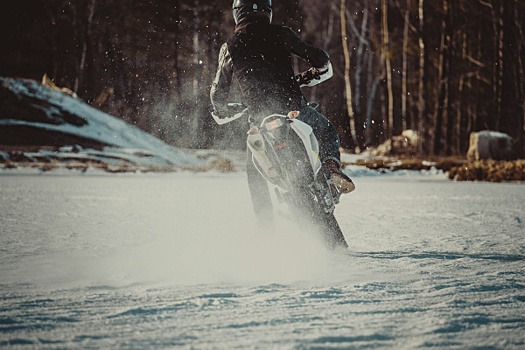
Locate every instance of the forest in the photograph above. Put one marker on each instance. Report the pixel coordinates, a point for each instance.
(443, 68)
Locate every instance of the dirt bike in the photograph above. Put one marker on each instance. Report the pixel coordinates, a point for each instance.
(285, 151)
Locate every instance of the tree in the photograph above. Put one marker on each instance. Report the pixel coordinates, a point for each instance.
(348, 85)
(388, 68)
(151, 63)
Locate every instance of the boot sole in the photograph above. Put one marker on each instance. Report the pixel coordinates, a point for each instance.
(343, 185)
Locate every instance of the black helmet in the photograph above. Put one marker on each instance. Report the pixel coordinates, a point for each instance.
(252, 8)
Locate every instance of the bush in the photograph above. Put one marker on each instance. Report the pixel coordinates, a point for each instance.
(489, 170)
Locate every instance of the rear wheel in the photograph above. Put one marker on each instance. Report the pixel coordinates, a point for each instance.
(303, 203)
(333, 234)
(312, 215)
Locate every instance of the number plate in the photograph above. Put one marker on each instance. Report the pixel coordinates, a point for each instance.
(274, 124)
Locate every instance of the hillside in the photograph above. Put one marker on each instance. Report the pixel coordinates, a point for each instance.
(45, 127)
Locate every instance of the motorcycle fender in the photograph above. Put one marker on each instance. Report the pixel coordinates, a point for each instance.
(305, 132)
(257, 146)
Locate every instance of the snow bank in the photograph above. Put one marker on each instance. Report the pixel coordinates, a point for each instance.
(28, 104)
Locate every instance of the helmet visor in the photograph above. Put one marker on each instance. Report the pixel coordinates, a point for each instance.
(263, 3)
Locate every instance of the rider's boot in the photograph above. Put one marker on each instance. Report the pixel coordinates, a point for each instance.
(340, 179)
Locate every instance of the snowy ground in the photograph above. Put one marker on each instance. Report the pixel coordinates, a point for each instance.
(175, 261)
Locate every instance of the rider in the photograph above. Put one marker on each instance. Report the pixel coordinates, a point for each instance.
(258, 55)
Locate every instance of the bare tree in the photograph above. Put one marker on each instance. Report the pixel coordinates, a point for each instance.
(404, 69)
(421, 73)
(86, 38)
(360, 35)
(348, 86)
(442, 85)
(521, 77)
(461, 64)
(388, 68)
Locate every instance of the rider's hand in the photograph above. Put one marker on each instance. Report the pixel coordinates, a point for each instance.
(315, 73)
(314, 76)
(307, 76)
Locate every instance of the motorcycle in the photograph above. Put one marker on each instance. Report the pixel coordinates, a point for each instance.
(285, 152)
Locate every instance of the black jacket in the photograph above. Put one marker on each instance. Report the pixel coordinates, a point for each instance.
(258, 55)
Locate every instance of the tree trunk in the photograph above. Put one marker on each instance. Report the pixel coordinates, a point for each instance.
(196, 50)
(499, 68)
(388, 69)
(496, 10)
(177, 47)
(404, 89)
(195, 124)
(422, 108)
(520, 79)
(452, 71)
(442, 93)
(86, 37)
(358, 94)
(458, 131)
(348, 86)
(371, 137)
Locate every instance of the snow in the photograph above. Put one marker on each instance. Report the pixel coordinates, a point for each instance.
(176, 261)
(96, 260)
(99, 126)
(493, 134)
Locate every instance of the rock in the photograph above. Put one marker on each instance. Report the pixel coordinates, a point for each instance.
(489, 145)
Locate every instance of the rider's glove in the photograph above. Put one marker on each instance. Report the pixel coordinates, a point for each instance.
(307, 76)
(314, 76)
